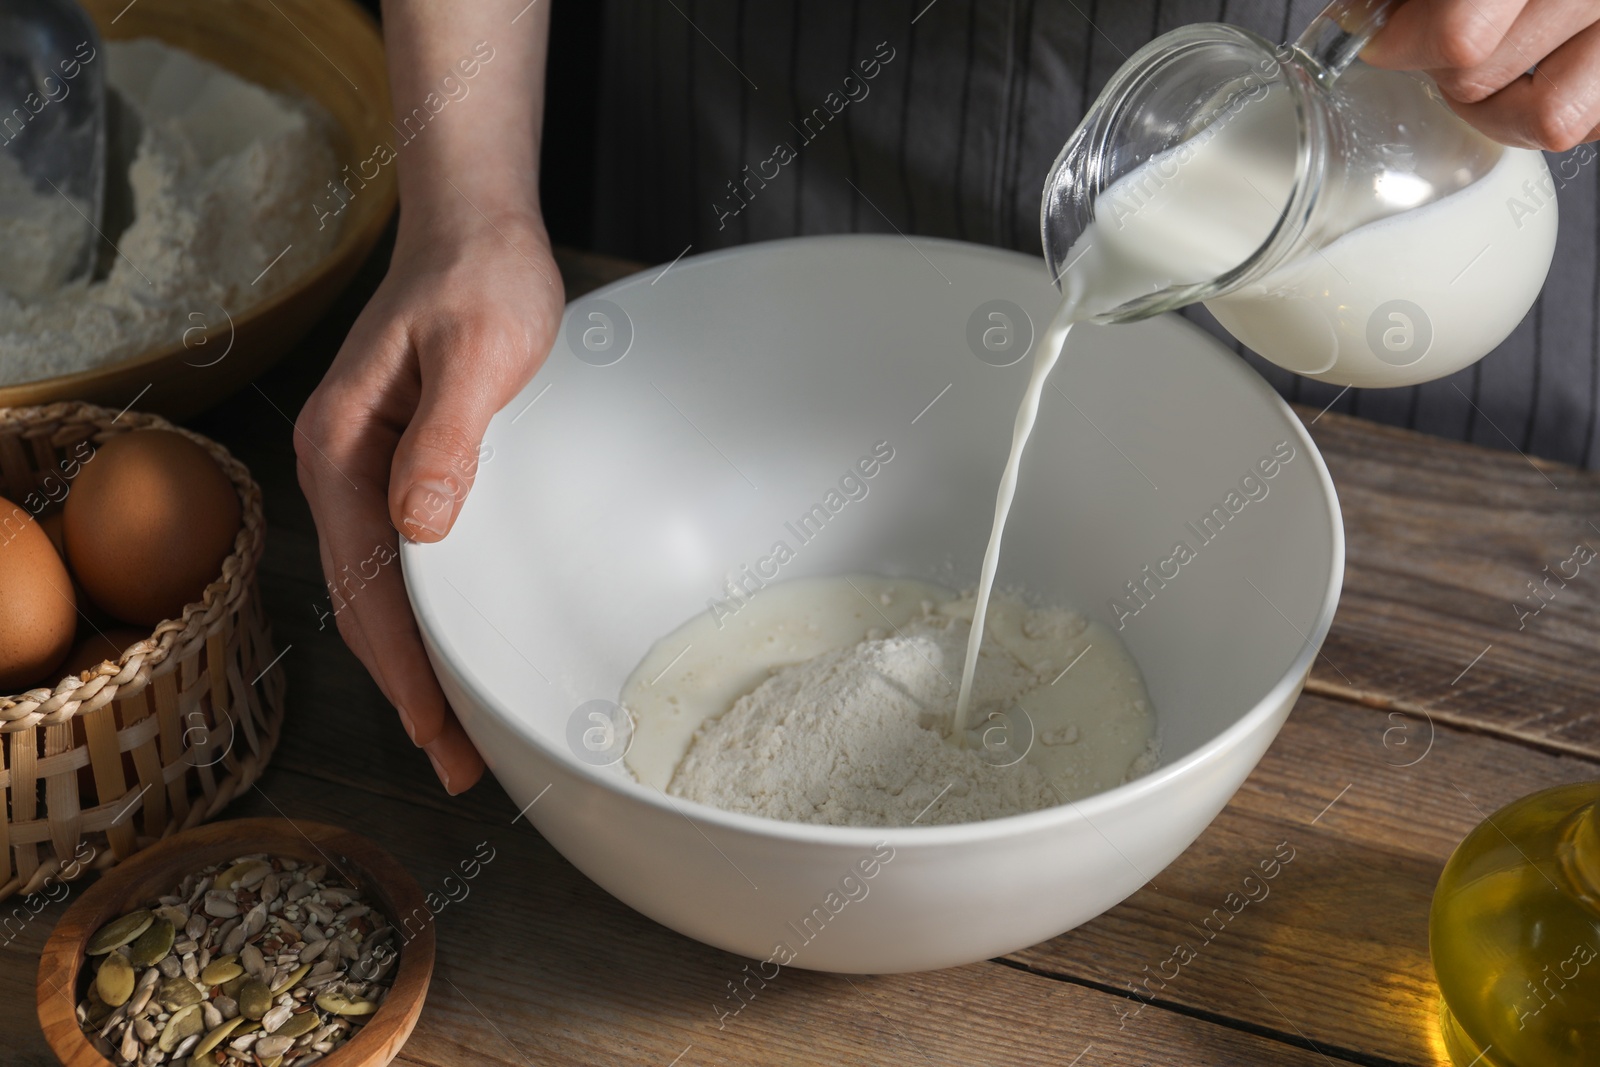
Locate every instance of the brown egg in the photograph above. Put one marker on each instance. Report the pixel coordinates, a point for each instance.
(50, 521)
(148, 523)
(37, 608)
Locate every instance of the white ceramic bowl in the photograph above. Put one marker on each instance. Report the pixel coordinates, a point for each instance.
(614, 499)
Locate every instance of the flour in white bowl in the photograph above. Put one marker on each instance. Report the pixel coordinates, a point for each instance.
(827, 701)
(225, 178)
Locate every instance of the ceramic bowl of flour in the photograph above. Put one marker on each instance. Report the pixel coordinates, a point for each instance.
(685, 418)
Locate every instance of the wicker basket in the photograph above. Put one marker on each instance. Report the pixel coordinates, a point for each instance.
(126, 753)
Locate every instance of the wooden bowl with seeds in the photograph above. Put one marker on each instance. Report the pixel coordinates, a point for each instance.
(248, 932)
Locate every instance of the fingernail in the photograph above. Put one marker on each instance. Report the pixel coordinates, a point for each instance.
(428, 509)
(405, 720)
(438, 768)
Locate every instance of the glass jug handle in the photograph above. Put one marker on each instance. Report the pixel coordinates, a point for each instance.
(1336, 36)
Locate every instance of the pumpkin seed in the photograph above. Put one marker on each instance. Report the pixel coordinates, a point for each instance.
(216, 1036)
(292, 979)
(220, 970)
(339, 1004)
(230, 877)
(299, 1025)
(149, 947)
(254, 999)
(119, 932)
(184, 1023)
(114, 980)
(178, 993)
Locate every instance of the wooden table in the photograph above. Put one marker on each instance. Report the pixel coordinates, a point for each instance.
(1429, 709)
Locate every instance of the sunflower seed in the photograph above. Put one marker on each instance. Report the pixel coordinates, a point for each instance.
(233, 940)
(130, 1045)
(275, 1018)
(221, 909)
(112, 1021)
(274, 1045)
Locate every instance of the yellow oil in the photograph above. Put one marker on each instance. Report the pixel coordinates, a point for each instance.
(1515, 935)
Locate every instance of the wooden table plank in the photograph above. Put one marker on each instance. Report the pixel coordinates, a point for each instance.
(1336, 946)
(536, 965)
(1444, 540)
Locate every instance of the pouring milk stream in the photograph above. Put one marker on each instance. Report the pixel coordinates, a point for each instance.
(1338, 219)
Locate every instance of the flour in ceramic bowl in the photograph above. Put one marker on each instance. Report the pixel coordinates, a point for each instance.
(828, 701)
(223, 181)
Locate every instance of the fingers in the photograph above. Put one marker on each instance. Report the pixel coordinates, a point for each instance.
(1540, 30)
(454, 759)
(1450, 34)
(470, 373)
(1556, 107)
(343, 451)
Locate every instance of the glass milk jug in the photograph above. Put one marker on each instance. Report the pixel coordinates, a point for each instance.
(1339, 219)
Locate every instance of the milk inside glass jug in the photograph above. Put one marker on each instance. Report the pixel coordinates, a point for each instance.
(1338, 219)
